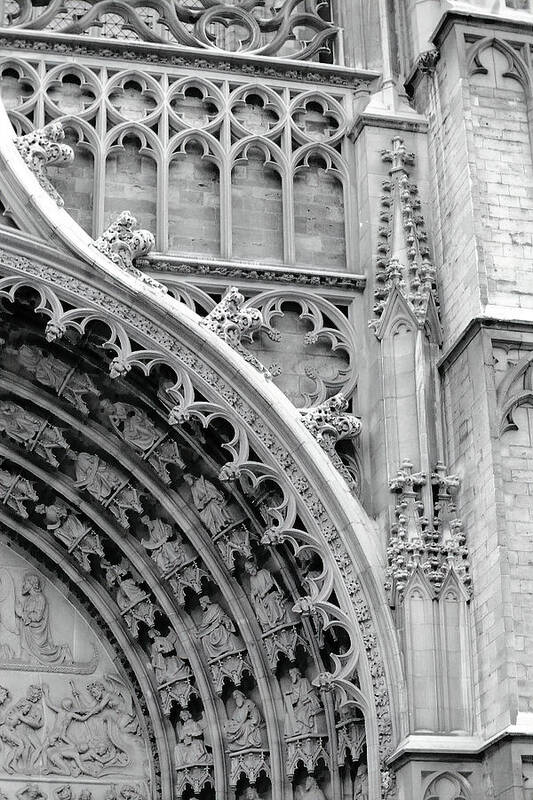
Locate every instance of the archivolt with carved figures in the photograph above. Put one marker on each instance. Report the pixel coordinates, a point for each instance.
(153, 483)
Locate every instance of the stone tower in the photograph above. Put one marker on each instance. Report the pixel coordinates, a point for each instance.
(266, 440)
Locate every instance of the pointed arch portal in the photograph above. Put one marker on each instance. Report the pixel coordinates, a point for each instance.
(189, 580)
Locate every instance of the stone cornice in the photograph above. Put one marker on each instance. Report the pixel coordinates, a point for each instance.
(177, 56)
(479, 19)
(226, 270)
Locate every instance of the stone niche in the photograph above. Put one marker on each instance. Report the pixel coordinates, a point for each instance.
(69, 725)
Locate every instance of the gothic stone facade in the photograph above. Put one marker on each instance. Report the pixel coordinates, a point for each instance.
(266, 391)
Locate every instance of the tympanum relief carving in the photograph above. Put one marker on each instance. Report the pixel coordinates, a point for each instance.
(69, 727)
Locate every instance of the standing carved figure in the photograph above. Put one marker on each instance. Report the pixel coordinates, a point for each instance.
(34, 625)
(267, 598)
(60, 752)
(19, 731)
(304, 702)
(190, 749)
(209, 502)
(216, 629)
(361, 783)
(243, 729)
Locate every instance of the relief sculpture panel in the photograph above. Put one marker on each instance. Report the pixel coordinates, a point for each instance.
(69, 727)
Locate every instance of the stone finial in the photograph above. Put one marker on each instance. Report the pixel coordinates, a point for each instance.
(43, 147)
(398, 156)
(435, 543)
(231, 321)
(403, 256)
(329, 422)
(123, 242)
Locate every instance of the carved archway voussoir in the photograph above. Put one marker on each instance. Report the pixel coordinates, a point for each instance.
(204, 361)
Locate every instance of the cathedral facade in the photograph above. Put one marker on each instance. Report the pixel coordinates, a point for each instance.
(266, 400)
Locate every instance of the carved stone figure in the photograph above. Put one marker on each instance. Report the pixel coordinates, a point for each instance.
(93, 474)
(60, 752)
(216, 630)
(32, 612)
(267, 598)
(50, 371)
(64, 793)
(132, 424)
(123, 242)
(132, 600)
(251, 793)
(31, 792)
(125, 500)
(31, 431)
(190, 749)
(87, 737)
(137, 429)
(85, 794)
(127, 792)
(304, 702)
(168, 553)
(167, 664)
(243, 729)
(210, 503)
(311, 790)
(361, 783)
(19, 732)
(15, 491)
(77, 535)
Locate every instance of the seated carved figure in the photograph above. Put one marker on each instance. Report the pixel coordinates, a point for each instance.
(190, 749)
(209, 502)
(304, 703)
(216, 630)
(167, 664)
(267, 598)
(243, 729)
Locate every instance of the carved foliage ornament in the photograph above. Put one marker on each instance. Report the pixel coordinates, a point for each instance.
(42, 147)
(242, 27)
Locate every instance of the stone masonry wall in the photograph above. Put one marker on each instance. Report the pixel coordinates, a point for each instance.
(501, 152)
(516, 475)
(468, 407)
(461, 282)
